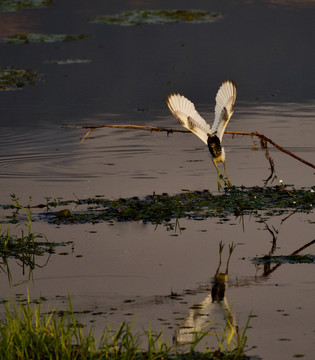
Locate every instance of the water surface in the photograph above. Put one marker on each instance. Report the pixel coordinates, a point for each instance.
(127, 271)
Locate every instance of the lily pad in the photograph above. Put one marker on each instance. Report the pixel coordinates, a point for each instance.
(137, 17)
(14, 5)
(36, 38)
(12, 78)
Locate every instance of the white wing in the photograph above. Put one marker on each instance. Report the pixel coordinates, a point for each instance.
(184, 110)
(224, 107)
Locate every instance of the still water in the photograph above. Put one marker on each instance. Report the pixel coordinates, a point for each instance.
(139, 272)
(127, 271)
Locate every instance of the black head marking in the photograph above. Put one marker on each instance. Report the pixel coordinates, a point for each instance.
(214, 145)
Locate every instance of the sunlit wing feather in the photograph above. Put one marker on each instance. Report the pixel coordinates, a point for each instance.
(184, 110)
(224, 107)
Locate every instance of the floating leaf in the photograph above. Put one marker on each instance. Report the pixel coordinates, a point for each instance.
(14, 5)
(33, 38)
(14, 78)
(137, 17)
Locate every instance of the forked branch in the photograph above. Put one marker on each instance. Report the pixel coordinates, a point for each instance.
(264, 140)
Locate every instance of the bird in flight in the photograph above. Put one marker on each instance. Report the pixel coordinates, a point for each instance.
(184, 110)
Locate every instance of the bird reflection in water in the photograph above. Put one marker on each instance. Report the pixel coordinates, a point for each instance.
(215, 305)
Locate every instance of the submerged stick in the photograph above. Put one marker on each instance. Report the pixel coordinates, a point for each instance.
(170, 131)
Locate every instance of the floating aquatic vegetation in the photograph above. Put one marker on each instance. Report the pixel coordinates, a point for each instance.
(162, 208)
(14, 5)
(288, 259)
(37, 38)
(12, 78)
(68, 61)
(137, 17)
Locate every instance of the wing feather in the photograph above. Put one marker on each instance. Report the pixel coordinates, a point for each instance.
(184, 110)
(224, 107)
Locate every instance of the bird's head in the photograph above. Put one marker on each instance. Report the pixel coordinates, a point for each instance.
(214, 145)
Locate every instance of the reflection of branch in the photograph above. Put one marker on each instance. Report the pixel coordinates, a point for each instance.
(170, 131)
(303, 247)
(288, 216)
(274, 233)
(294, 253)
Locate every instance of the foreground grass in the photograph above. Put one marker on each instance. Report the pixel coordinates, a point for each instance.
(28, 333)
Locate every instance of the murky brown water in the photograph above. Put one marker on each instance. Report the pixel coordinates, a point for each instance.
(127, 271)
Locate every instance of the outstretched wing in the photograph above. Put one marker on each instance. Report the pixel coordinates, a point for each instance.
(184, 110)
(224, 107)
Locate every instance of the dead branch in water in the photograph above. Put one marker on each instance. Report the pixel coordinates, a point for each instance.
(262, 136)
(128, 127)
(263, 139)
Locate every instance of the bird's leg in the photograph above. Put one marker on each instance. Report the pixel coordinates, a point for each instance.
(221, 246)
(218, 172)
(227, 177)
(231, 249)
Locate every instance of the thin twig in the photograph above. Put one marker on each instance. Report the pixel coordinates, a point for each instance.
(170, 131)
